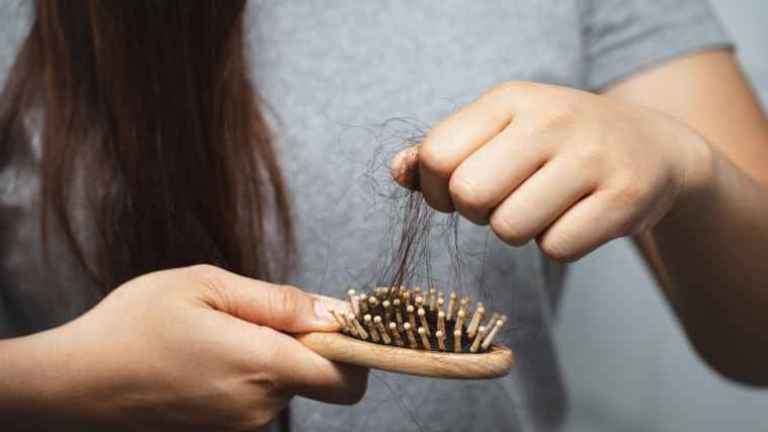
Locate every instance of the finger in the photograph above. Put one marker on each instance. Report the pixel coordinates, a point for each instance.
(275, 359)
(299, 370)
(405, 168)
(281, 307)
(496, 169)
(588, 224)
(454, 139)
(540, 200)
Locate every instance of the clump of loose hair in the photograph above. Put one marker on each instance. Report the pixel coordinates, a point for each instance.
(414, 232)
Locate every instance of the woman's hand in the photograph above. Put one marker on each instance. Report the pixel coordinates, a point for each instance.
(568, 168)
(197, 348)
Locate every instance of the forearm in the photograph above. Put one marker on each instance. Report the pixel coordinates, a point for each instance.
(37, 389)
(711, 254)
(22, 382)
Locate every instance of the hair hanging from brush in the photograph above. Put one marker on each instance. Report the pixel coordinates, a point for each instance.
(151, 137)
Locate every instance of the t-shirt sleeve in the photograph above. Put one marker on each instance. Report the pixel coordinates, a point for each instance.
(623, 37)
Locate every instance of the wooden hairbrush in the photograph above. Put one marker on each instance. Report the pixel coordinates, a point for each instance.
(407, 331)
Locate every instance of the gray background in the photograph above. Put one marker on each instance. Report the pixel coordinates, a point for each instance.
(627, 364)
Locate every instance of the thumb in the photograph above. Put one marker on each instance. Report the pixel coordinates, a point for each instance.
(405, 168)
(281, 307)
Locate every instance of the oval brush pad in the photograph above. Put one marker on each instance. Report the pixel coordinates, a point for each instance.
(407, 331)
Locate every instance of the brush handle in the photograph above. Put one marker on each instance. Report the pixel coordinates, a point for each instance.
(494, 363)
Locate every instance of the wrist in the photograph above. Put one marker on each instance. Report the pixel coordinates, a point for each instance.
(32, 380)
(699, 175)
(49, 381)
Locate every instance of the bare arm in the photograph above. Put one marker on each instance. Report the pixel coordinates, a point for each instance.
(711, 253)
(185, 349)
(31, 369)
(676, 157)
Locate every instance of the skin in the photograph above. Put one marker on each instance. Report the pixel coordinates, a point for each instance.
(187, 349)
(675, 157)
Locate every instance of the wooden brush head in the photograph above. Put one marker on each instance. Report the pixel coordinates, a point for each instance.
(418, 333)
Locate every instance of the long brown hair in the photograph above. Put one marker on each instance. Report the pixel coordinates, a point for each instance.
(150, 128)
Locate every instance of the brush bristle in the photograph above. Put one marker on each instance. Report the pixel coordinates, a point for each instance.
(401, 317)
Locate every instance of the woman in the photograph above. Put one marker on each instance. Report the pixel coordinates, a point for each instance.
(150, 155)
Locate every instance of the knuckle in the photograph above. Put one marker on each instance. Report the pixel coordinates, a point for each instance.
(629, 193)
(588, 155)
(211, 279)
(502, 88)
(466, 193)
(558, 249)
(560, 117)
(524, 92)
(508, 230)
(203, 268)
(432, 158)
(511, 86)
(283, 306)
(207, 274)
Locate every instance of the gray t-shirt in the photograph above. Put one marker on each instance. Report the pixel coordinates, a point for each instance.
(333, 74)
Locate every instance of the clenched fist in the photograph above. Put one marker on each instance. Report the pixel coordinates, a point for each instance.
(568, 168)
